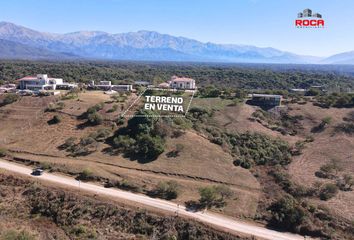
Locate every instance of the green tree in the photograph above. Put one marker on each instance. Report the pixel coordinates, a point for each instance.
(287, 213)
(208, 196)
(166, 190)
(148, 146)
(214, 196)
(124, 142)
(224, 191)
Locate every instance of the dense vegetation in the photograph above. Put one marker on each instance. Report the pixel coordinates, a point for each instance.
(282, 122)
(258, 149)
(240, 76)
(340, 100)
(248, 148)
(166, 190)
(80, 217)
(143, 137)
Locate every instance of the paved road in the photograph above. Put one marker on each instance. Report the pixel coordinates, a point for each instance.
(207, 217)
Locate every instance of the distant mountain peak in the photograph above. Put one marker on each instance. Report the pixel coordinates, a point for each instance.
(142, 45)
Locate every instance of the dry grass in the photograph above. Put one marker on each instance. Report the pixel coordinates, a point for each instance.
(236, 119)
(201, 163)
(327, 146)
(24, 127)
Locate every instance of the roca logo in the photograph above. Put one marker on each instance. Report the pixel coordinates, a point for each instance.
(307, 19)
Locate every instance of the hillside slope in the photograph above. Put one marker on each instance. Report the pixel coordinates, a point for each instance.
(14, 50)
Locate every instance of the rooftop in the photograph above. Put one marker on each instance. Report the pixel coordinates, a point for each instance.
(266, 95)
(32, 78)
(181, 79)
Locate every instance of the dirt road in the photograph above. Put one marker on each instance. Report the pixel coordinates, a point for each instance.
(207, 217)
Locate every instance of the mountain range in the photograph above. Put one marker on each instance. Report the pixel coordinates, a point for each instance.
(17, 42)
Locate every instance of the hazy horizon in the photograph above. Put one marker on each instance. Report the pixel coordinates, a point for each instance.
(244, 22)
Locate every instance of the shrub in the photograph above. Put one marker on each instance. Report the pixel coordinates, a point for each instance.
(113, 109)
(95, 118)
(349, 117)
(214, 196)
(313, 92)
(327, 120)
(319, 128)
(224, 191)
(87, 141)
(86, 174)
(69, 142)
(209, 91)
(124, 142)
(17, 235)
(83, 232)
(208, 196)
(260, 149)
(178, 149)
(329, 170)
(46, 166)
(120, 121)
(55, 120)
(166, 190)
(217, 140)
(148, 146)
(338, 100)
(79, 230)
(347, 128)
(346, 182)
(328, 191)
(242, 163)
(126, 185)
(72, 94)
(287, 213)
(3, 152)
(95, 108)
(199, 113)
(10, 98)
(140, 137)
(101, 134)
(86, 146)
(53, 107)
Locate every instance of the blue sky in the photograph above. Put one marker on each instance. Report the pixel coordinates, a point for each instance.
(263, 23)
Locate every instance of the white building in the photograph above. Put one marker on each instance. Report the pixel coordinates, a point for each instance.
(7, 88)
(123, 87)
(40, 82)
(108, 86)
(182, 83)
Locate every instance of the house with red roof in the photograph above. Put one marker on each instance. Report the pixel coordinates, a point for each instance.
(182, 83)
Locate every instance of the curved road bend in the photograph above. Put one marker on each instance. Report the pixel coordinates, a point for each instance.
(207, 217)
